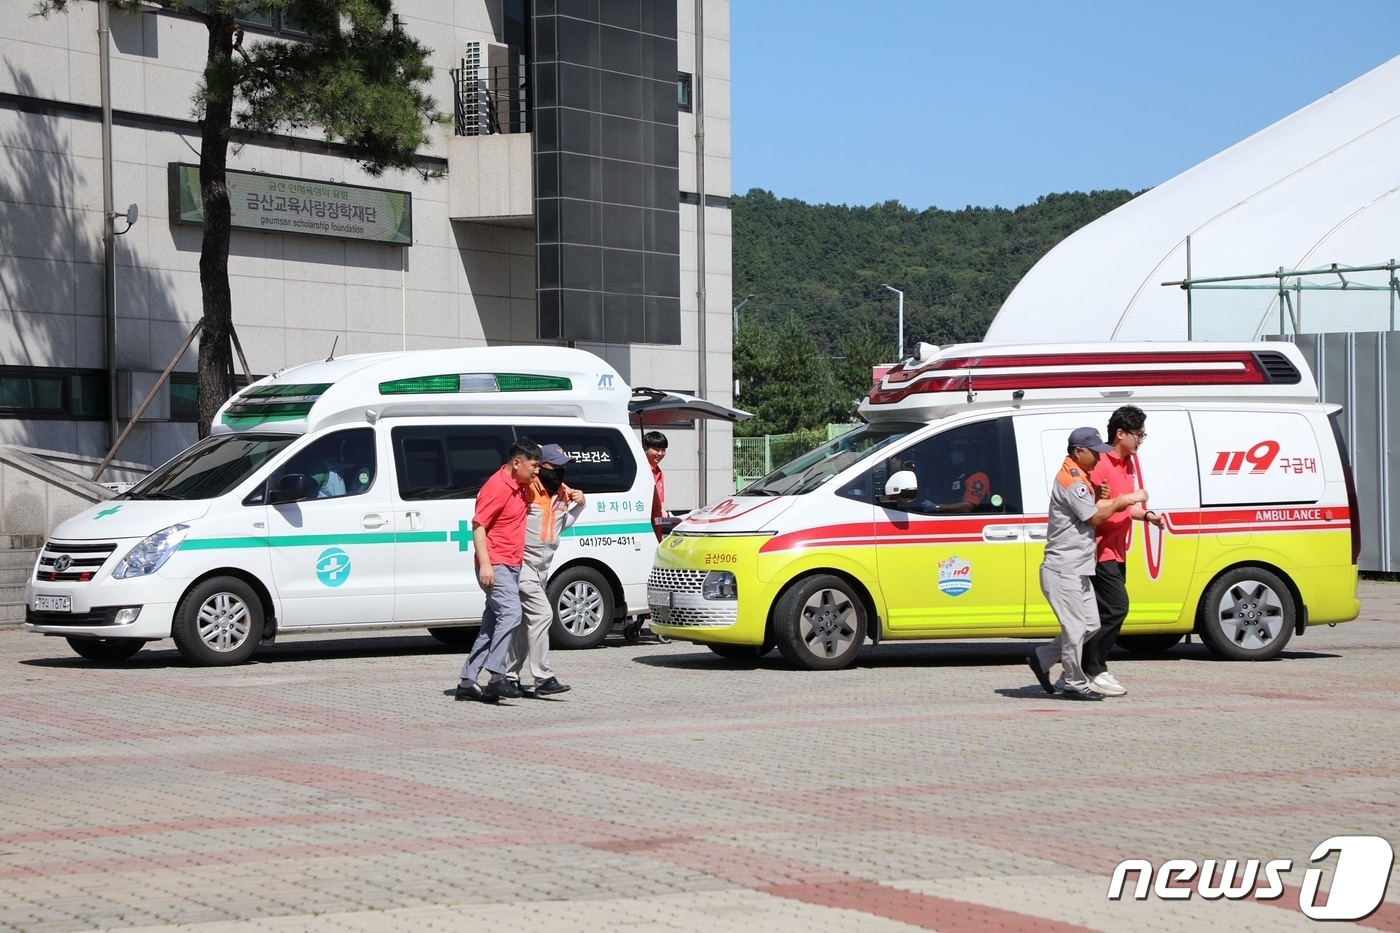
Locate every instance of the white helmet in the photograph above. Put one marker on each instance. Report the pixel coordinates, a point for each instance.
(902, 485)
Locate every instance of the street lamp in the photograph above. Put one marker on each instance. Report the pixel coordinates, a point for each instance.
(736, 313)
(901, 318)
(736, 334)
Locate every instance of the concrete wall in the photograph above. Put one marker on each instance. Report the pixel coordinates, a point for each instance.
(35, 495)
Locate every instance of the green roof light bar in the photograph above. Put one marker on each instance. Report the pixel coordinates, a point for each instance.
(452, 383)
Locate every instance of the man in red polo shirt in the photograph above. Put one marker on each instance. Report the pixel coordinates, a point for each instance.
(1115, 475)
(498, 539)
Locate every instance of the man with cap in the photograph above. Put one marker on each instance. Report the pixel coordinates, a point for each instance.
(553, 508)
(1067, 573)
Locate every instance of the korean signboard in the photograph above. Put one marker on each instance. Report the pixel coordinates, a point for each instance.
(277, 204)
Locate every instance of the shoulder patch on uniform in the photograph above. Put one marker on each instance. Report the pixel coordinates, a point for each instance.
(1082, 491)
(1073, 472)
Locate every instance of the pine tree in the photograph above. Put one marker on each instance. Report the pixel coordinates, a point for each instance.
(357, 76)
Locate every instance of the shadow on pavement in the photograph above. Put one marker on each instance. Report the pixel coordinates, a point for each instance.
(935, 654)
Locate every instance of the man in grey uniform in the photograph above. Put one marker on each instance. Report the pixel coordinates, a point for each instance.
(1067, 573)
(555, 507)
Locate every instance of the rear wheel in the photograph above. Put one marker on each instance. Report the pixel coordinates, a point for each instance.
(218, 622)
(1247, 614)
(106, 649)
(1149, 644)
(583, 608)
(820, 623)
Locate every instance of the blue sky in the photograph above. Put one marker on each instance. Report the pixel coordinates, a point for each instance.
(996, 102)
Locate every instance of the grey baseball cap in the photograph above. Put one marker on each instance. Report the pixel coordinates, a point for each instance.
(554, 455)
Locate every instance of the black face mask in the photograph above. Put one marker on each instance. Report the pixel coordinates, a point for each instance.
(551, 480)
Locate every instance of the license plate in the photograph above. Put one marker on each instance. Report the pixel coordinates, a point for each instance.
(52, 604)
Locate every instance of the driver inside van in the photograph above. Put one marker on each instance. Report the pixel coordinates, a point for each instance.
(968, 488)
(971, 486)
(328, 480)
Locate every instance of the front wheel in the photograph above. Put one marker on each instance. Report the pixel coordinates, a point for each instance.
(583, 608)
(218, 623)
(106, 649)
(820, 623)
(1247, 614)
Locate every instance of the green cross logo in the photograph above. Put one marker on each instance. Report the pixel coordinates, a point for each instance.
(463, 536)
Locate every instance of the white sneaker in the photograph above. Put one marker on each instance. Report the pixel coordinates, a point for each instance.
(1108, 685)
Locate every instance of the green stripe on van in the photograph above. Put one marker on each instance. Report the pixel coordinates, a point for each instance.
(626, 528)
(368, 537)
(388, 537)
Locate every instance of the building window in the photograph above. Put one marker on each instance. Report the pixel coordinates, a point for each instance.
(262, 19)
(683, 91)
(184, 395)
(50, 393)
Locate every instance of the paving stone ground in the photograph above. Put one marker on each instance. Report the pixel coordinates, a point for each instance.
(335, 785)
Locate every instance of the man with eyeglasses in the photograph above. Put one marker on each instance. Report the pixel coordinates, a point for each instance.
(1116, 475)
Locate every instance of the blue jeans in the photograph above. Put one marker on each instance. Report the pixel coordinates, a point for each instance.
(498, 625)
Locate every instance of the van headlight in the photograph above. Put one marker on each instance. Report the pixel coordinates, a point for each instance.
(720, 584)
(150, 555)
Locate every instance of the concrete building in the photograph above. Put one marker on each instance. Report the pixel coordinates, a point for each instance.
(580, 195)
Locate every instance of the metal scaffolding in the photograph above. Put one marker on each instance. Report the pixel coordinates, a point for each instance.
(1290, 284)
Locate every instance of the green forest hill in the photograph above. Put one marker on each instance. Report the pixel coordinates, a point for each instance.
(819, 317)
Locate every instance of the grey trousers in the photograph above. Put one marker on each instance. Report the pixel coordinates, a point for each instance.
(1071, 595)
(532, 639)
(498, 625)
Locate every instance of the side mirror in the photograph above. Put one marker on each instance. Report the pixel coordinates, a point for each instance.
(290, 488)
(902, 486)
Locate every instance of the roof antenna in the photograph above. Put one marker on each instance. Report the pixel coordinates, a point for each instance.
(333, 343)
(971, 393)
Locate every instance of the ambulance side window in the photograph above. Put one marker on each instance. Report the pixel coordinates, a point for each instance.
(603, 460)
(447, 461)
(968, 469)
(335, 465)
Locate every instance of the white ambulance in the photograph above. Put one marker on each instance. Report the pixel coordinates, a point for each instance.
(1262, 528)
(338, 495)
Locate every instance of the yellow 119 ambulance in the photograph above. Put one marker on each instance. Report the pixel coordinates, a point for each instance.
(1261, 538)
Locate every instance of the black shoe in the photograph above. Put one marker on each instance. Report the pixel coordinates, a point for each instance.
(501, 690)
(551, 685)
(467, 691)
(1041, 674)
(526, 690)
(1076, 693)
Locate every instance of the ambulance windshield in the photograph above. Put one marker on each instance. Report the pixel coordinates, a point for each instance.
(813, 469)
(210, 468)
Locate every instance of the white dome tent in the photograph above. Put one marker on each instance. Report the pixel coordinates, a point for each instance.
(1318, 188)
